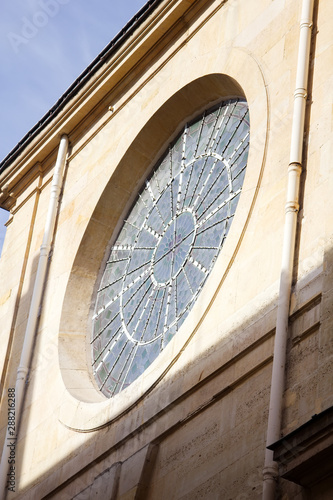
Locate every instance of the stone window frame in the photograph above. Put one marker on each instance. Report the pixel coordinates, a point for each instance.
(83, 406)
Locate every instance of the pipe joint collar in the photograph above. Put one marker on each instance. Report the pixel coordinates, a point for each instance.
(271, 472)
(295, 167)
(44, 250)
(291, 206)
(22, 372)
(306, 23)
(300, 92)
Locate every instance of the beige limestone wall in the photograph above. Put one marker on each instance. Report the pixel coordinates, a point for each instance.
(200, 433)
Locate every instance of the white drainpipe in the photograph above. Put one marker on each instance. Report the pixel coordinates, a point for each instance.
(29, 337)
(270, 471)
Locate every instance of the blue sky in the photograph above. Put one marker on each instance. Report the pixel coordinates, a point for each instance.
(44, 46)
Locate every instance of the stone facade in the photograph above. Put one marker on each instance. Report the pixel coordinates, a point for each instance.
(194, 424)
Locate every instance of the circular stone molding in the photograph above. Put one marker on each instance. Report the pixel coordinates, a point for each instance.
(84, 408)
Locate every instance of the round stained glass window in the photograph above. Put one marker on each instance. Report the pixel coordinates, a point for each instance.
(168, 245)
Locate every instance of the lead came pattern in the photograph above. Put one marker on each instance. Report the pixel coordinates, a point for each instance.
(168, 245)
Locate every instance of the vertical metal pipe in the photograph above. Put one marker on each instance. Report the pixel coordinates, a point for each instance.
(29, 336)
(270, 471)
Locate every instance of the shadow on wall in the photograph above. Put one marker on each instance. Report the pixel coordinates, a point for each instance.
(202, 429)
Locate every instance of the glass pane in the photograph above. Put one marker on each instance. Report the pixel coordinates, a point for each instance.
(168, 245)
